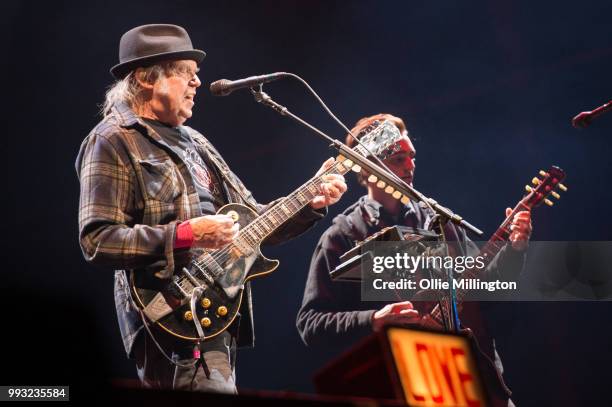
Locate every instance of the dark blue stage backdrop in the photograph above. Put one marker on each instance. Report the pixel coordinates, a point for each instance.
(487, 89)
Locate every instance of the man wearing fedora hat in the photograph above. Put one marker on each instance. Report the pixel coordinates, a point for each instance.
(150, 189)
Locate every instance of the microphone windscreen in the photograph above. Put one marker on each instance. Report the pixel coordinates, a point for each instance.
(220, 87)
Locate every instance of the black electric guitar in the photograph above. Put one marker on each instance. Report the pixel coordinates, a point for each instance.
(201, 300)
(542, 190)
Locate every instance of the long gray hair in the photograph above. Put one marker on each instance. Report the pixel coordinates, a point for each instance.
(128, 90)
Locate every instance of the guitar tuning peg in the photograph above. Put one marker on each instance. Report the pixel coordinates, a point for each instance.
(528, 188)
(556, 195)
(356, 168)
(389, 189)
(562, 187)
(535, 181)
(548, 202)
(372, 178)
(543, 173)
(347, 163)
(397, 195)
(405, 200)
(381, 184)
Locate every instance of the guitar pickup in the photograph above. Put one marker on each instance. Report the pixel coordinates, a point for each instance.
(209, 271)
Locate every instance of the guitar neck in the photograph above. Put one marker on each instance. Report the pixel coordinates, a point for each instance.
(268, 222)
(492, 248)
(488, 252)
(535, 196)
(499, 239)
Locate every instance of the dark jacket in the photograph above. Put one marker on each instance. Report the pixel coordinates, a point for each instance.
(332, 313)
(134, 192)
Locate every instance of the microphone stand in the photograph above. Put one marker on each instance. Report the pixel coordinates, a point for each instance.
(263, 98)
(444, 213)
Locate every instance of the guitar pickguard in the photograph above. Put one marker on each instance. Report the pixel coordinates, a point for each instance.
(235, 273)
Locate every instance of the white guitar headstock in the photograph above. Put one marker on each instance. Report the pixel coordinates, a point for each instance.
(380, 139)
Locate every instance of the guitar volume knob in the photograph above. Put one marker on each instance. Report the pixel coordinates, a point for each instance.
(205, 303)
(222, 311)
(205, 322)
(188, 316)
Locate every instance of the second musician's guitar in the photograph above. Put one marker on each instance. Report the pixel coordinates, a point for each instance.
(542, 190)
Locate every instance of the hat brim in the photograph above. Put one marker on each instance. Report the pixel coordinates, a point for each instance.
(119, 71)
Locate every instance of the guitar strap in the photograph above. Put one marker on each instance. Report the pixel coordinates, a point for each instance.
(224, 170)
(200, 361)
(197, 350)
(488, 364)
(432, 222)
(197, 354)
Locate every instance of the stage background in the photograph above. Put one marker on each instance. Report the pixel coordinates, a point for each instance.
(487, 90)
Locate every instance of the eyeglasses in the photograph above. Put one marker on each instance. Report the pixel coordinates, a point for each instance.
(186, 72)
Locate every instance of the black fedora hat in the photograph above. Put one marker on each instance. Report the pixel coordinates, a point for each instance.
(151, 43)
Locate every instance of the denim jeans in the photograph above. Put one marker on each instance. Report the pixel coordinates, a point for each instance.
(215, 374)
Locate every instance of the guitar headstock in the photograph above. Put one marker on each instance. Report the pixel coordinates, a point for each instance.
(544, 188)
(380, 138)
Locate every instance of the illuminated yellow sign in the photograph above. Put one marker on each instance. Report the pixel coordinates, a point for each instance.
(436, 369)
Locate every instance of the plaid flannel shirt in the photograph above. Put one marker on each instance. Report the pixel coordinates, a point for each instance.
(134, 192)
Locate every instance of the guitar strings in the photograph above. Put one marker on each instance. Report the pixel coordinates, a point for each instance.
(222, 255)
(274, 212)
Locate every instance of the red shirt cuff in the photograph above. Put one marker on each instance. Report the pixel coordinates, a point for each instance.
(184, 235)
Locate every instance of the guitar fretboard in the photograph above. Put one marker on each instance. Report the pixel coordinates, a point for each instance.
(251, 236)
(272, 219)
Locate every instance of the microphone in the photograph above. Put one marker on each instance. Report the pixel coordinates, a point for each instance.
(224, 87)
(583, 119)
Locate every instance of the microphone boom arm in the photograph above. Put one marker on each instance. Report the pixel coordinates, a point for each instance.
(583, 119)
(371, 167)
(403, 187)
